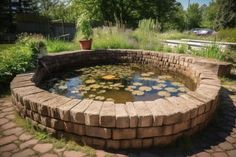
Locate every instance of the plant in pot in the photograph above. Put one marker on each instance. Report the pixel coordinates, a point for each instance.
(85, 33)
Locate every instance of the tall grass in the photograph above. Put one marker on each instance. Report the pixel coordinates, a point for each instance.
(210, 52)
(111, 38)
(148, 25)
(54, 46)
(227, 35)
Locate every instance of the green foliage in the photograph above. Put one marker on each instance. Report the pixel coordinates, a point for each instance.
(182, 48)
(194, 16)
(173, 34)
(22, 56)
(13, 61)
(111, 38)
(209, 15)
(84, 27)
(226, 15)
(54, 46)
(148, 40)
(227, 35)
(210, 52)
(167, 49)
(149, 25)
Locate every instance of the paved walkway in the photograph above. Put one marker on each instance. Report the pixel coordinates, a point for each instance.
(218, 139)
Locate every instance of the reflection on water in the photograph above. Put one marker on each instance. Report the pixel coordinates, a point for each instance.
(119, 83)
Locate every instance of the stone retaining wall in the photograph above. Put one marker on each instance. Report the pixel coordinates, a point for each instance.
(104, 124)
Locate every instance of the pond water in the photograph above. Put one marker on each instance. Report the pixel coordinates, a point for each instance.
(119, 83)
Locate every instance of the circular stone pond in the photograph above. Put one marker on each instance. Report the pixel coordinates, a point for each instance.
(119, 83)
(118, 99)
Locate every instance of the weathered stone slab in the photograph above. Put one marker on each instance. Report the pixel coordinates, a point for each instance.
(158, 115)
(92, 113)
(172, 114)
(52, 104)
(107, 117)
(64, 109)
(118, 134)
(77, 112)
(122, 117)
(145, 117)
(133, 117)
(193, 103)
(113, 144)
(182, 106)
(98, 132)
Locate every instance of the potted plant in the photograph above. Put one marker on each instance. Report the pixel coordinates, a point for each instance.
(85, 33)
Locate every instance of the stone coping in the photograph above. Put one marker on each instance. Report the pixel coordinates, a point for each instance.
(107, 124)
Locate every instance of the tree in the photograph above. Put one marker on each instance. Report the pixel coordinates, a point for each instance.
(209, 14)
(194, 16)
(226, 16)
(176, 20)
(162, 10)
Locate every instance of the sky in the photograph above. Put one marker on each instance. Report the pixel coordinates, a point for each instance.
(185, 2)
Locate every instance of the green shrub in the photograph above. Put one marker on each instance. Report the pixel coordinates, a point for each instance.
(13, 61)
(111, 38)
(22, 56)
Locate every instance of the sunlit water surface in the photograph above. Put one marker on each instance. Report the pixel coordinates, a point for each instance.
(119, 83)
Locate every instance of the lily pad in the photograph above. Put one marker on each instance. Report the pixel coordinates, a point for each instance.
(157, 87)
(129, 89)
(150, 73)
(182, 89)
(74, 91)
(110, 77)
(137, 92)
(145, 88)
(145, 75)
(164, 94)
(91, 96)
(100, 98)
(132, 87)
(87, 88)
(165, 77)
(171, 89)
(95, 86)
(137, 84)
(62, 87)
(177, 84)
(90, 81)
(101, 91)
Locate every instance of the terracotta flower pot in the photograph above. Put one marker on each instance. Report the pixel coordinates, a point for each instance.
(86, 44)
